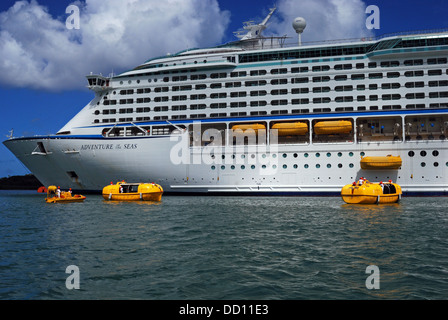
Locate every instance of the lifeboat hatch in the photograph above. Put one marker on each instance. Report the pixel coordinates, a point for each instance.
(40, 150)
(73, 176)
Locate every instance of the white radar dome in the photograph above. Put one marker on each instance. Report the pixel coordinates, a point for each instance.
(299, 24)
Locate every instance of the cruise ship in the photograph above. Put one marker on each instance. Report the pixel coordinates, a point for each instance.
(259, 117)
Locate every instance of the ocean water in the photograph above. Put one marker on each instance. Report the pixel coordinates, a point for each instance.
(220, 248)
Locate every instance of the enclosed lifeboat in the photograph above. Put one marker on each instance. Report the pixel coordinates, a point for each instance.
(381, 163)
(63, 197)
(291, 128)
(241, 128)
(371, 193)
(333, 127)
(122, 191)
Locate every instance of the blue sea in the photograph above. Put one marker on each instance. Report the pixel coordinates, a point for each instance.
(222, 248)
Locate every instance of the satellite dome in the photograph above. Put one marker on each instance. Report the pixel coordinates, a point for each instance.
(299, 24)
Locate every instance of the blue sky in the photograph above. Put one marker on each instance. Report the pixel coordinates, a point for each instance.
(42, 64)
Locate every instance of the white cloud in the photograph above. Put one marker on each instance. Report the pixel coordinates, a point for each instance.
(38, 51)
(326, 19)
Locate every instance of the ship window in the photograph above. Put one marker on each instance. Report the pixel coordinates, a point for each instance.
(306, 166)
(423, 153)
(423, 164)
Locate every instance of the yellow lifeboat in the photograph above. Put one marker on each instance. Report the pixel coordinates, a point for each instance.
(122, 191)
(243, 127)
(371, 193)
(291, 128)
(63, 197)
(333, 127)
(381, 163)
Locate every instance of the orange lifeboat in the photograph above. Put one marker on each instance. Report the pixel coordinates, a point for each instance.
(291, 128)
(333, 127)
(388, 162)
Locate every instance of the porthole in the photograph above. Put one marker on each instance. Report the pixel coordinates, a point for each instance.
(436, 164)
(295, 155)
(317, 166)
(328, 166)
(263, 156)
(362, 154)
(295, 166)
(423, 153)
(243, 156)
(328, 154)
(423, 164)
(307, 166)
(243, 167)
(138, 81)
(121, 82)
(351, 165)
(274, 166)
(340, 165)
(213, 167)
(223, 167)
(435, 153)
(263, 166)
(411, 153)
(274, 156)
(284, 155)
(306, 155)
(318, 155)
(350, 154)
(129, 81)
(339, 154)
(97, 112)
(232, 167)
(285, 166)
(252, 166)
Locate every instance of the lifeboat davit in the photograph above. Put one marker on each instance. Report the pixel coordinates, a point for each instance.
(64, 197)
(122, 191)
(333, 127)
(381, 163)
(291, 128)
(371, 193)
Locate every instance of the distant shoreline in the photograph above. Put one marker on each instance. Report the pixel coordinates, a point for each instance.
(26, 182)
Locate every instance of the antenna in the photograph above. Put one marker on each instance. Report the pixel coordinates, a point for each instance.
(254, 30)
(299, 24)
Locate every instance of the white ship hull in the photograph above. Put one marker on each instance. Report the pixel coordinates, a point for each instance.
(90, 164)
(391, 92)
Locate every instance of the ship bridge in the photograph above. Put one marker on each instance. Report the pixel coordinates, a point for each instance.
(97, 82)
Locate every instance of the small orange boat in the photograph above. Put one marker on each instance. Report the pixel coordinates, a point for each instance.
(64, 197)
(371, 193)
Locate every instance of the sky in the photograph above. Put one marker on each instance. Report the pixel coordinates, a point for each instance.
(45, 52)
